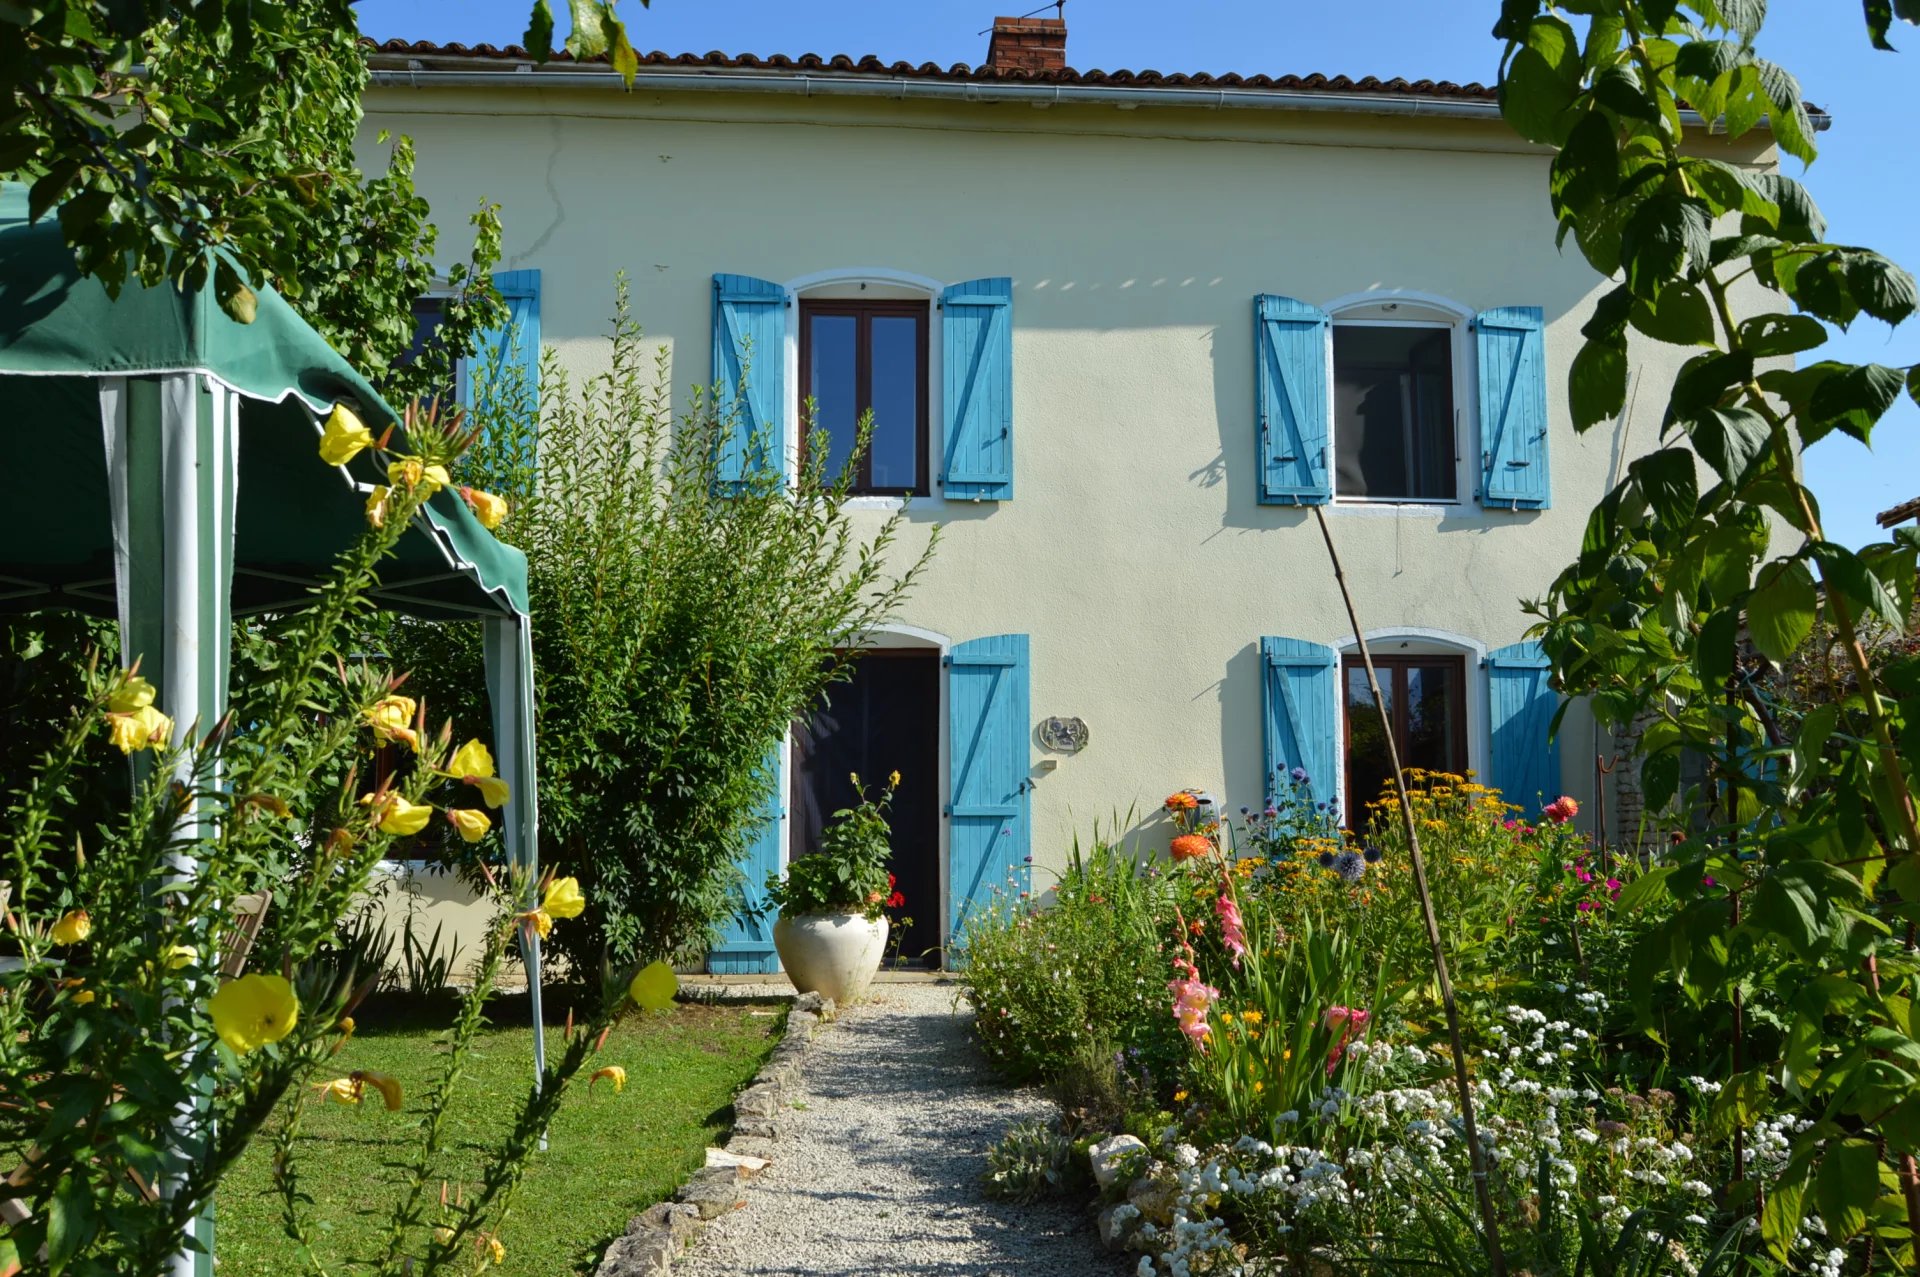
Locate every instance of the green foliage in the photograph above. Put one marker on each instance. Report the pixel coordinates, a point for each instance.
(1795, 872)
(211, 143)
(849, 872)
(1085, 972)
(679, 633)
(1034, 1161)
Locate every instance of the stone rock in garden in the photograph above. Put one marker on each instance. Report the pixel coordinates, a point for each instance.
(822, 1007)
(752, 1146)
(678, 1220)
(1110, 1157)
(762, 1099)
(1154, 1197)
(746, 1163)
(714, 1191)
(1117, 1224)
(642, 1255)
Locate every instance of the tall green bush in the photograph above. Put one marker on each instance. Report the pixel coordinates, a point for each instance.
(680, 625)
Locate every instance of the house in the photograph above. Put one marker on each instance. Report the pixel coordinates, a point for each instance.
(1120, 332)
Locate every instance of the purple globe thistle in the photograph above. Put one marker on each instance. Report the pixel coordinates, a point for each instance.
(1326, 860)
(1349, 866)
(1299, 775)
(1372, 853)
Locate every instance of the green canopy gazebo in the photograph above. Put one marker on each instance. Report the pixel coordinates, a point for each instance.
(165, 472)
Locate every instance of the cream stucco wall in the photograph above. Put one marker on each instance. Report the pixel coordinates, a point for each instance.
(1134, 553)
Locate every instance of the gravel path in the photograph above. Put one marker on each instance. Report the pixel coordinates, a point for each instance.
(880, 1172)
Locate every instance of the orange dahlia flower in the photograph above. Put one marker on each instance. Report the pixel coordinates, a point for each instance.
(1189, 846)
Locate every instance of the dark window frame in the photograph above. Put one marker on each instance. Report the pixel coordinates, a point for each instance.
(864, 312)
(1390, 670)
(1456, 425)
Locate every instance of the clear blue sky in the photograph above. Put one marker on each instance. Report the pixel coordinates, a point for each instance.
(1865, 180)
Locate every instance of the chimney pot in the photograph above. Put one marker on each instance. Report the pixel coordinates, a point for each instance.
(1028, 44)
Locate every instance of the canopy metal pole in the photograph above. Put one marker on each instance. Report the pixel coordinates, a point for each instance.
(509, 655)
(172, 447)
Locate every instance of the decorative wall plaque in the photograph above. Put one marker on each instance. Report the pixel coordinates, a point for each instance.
(1064, 735)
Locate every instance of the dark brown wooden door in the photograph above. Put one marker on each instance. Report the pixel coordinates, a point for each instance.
(887, 719)
(1426, 703)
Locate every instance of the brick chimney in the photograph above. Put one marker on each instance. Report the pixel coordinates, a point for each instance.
(1028, 44)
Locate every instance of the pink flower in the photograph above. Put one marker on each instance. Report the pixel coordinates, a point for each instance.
(1231, 934)
(1191, 1000)
(1581, 875)
(1561, 810)
(1613, 888)
(1586, 906)
(1347, 1023)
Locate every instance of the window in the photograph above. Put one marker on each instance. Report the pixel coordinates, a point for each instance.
(861, 356)
(429, 312)
(1426, 703)
(1393, 411)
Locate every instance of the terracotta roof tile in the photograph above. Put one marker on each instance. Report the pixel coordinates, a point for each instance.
(870, 65)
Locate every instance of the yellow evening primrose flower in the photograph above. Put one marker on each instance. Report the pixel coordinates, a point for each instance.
(346, 1027)
(563, 898)
(135, 693)
(489, 509)
(341, 1090)
(137, 730)
(73, 927)
(443, 1235)
(473, 763)
(412, 472)
(344, 437)
(473, 825)
(496, 1251)
(391, 718)
(389, 1087)
(253, 1011)
(614, 1074)
(399, 817)
(653, 988)
(179, 956)
(377, 506)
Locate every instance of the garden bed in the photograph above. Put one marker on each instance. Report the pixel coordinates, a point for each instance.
(611, 1154)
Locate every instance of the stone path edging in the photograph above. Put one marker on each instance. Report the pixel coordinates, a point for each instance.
(663, 1231)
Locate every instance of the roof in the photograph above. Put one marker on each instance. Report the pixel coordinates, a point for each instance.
(428, 52)
(1899, 514)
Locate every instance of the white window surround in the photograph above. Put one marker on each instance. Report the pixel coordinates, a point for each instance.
(1414, 640)
(874, 283)
(1411, 308)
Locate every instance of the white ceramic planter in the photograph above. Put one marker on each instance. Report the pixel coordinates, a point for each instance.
(832, 954)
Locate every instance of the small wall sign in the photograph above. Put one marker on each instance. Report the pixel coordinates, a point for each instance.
(1064, 735)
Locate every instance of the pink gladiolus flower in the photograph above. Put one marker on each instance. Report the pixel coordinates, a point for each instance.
(1191, 1000)
(1348, 1023)
(1231, 934)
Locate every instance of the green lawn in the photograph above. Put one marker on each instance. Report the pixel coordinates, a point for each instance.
(610, 1154)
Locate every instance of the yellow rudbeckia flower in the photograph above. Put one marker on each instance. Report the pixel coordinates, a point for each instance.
(345, 436)
(473, 825)
(614, 1074)
(473, 763)
(73, 927)
(391, 718)
(652, 989)
(253, 1011)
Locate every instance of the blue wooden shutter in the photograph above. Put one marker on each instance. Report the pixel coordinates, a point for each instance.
(1525, 764)
(1295, 413)
(746, 943)
(505, 359)
(1511, 344)
(1299, 685)
(976, 390)
(988, 838)
(750, 353)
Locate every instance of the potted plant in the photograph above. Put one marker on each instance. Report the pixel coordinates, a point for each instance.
(832, 930)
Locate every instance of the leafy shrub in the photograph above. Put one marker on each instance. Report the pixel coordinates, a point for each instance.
(1046, 984)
